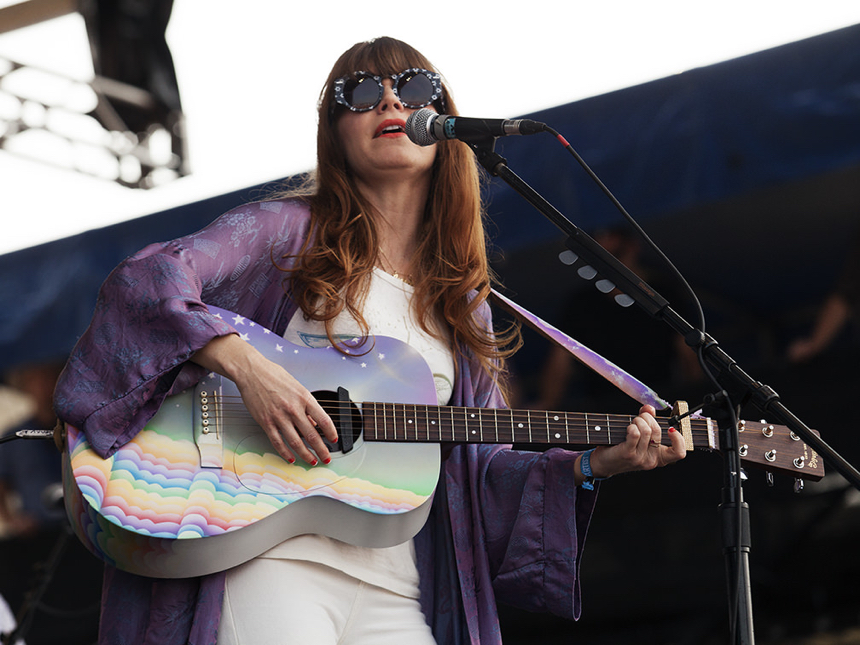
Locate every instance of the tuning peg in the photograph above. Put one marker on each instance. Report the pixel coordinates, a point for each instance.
(769, 479)
(798, 485)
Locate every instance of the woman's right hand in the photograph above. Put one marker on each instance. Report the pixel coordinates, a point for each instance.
(286, 411)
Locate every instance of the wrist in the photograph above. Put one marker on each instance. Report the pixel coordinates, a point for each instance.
(586, 467)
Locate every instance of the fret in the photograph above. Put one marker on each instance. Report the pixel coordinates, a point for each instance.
(465, 424)
(472, 434)
(517, 428)
(553, 434)
(383, 410)
(453, 425)
(375, 420)
(608, 431)
(368, 418)
(410, 424)
(425, 424)
(713, 440)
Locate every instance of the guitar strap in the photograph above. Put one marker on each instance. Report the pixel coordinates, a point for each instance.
(625, 382)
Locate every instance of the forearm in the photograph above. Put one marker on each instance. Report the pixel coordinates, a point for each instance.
(228, 355)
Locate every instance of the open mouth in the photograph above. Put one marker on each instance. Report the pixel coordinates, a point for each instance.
(391, 128)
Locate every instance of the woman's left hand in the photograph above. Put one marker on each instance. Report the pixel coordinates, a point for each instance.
(641, 450)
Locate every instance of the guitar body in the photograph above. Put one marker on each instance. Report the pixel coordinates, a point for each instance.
(187, 498)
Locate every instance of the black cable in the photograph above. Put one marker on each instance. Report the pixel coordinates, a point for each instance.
(735, 466)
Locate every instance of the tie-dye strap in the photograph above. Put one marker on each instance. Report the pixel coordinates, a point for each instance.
(607, 369)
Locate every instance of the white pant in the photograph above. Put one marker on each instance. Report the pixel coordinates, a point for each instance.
(294, 602)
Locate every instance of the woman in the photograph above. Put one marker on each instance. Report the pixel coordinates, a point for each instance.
(389, 241)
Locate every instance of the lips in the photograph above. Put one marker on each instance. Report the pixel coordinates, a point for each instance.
(391, 128)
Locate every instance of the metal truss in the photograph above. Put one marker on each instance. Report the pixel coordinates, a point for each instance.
(73, 124)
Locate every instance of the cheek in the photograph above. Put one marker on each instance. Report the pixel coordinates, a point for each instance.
(345, 134)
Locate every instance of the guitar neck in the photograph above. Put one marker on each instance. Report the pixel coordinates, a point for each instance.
(431, 423)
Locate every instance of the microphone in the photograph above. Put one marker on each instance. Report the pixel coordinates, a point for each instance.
(425, 127)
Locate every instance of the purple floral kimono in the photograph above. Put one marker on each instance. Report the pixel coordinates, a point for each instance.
(505, 526)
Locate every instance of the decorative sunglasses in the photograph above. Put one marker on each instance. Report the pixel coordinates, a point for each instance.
(414, 87)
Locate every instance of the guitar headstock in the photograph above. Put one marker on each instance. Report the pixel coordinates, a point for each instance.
(778, 449)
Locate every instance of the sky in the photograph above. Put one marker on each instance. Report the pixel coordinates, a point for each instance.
(250, 73)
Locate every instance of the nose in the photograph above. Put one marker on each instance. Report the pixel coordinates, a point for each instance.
(389, 98)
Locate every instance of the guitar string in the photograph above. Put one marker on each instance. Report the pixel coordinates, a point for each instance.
(613, 419)
(555, 419)
(572, 428)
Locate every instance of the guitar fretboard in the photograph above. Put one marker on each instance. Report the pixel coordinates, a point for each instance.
(430, 423)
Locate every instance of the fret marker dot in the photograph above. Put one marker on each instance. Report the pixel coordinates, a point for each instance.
(519, 425)
(432, 423)
(555, 418)
(557, 436)
(472, 415)
(409, 421)
(598, 428)
(473, 432)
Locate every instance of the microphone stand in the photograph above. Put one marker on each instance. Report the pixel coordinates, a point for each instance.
(734, 381)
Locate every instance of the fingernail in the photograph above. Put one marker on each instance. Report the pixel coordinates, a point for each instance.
(314, 462)
(327, 461)
(671, 429)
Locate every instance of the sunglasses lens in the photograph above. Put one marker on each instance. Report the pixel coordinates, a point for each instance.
(362, 94)
(415, 90)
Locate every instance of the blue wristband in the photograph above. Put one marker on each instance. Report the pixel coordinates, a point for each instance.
(585, 466)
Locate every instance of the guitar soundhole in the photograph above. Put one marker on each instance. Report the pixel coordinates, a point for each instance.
(346, 417)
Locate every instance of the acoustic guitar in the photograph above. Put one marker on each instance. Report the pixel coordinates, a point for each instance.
(200, 489)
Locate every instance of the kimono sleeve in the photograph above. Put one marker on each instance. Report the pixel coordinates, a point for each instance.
(535, 520)
(150, 318)
(521, 515)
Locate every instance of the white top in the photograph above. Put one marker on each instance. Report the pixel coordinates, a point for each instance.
(388, 312)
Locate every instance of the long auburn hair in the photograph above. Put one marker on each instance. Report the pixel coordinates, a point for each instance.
(333, 270)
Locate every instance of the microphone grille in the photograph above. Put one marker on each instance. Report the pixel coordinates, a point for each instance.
(418, 127)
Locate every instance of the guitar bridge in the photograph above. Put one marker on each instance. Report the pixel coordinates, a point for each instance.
(207, 422)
